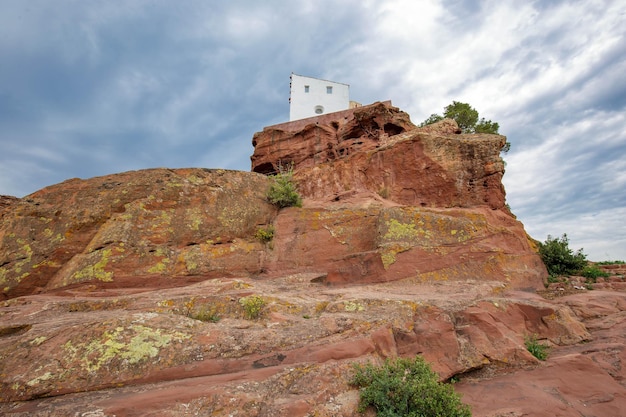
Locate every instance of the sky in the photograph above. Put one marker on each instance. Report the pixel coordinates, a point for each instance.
(95, 87)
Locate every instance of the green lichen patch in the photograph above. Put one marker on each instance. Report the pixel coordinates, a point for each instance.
(15, 271)
(95, 270)
(120, 347)
(38, 340)
(402, 231)
(428, 228)
(353, 306)
(41, 378)
(194, 218)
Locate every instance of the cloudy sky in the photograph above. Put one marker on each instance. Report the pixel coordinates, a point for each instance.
(93, 87)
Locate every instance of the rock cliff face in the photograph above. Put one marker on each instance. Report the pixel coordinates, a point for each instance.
(377, 150)
(404, 201)
(128, 294)
(384, 201)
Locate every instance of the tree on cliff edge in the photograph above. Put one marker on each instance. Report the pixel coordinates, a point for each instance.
(467, 118)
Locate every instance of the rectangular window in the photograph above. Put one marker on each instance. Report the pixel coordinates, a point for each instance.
(329, 90)
(306, 88)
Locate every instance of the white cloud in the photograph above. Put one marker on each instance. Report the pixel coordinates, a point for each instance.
(598, 233)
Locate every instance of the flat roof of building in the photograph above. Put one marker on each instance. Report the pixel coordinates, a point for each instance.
(319, 79)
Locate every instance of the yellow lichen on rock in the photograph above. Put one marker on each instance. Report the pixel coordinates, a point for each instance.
(402, 231)
(96, 270)
(130, 345)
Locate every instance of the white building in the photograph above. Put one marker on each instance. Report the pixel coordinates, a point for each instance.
(309, 97)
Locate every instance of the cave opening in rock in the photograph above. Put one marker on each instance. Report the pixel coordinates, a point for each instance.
(392, 129)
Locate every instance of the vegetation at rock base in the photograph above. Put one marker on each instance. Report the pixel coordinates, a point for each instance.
(467, 118)
(538, 350)
(282, 191)
(559, 259)
(406, 387)
(205, 314)
(252, 306)
(265, 234)
(592, 273)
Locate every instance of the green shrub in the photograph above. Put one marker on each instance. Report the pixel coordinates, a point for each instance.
(252, 306)
(592, 273)
(536, 349)
(559, 259)
(265, 234)
(406, 387)
(282, 191)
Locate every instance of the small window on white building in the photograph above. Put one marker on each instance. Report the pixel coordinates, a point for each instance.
(329, 90)
(319, 109)
(306, 88)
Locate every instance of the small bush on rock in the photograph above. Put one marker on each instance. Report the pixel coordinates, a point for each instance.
(559, 259)
(592, 273)
(406, 387)
(252, 306)
(538, 350)
(282, 191)
(265, 234)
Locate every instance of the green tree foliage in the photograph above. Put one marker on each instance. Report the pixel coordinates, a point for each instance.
(486, 126)
(467, 118)
(464, 115)
(282, 191)
(559, 259)
(433, 118)
(406, 387)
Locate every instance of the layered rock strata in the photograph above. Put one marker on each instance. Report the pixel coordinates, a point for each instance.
(378, 151)
(128, 294)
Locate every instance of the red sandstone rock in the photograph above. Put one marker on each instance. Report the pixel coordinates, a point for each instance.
(403, 247)
(377, 244)
(305, 143)
(138, 353)
(378, 150)
(578, 379)
(134, 226)
(168, 227)
(6, 201)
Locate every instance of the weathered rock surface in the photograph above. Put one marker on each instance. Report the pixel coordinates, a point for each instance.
(151, 226)
(312, 141)
(377, 150)
(5, 202)
(375, 243)
(586, 379)
(128, 352)
(166, 228)
(125, 295)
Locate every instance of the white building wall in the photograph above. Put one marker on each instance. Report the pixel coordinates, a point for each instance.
(309, 97)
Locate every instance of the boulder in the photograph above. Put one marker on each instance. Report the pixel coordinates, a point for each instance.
(149, 227)
(377, 150)
(379, 244)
